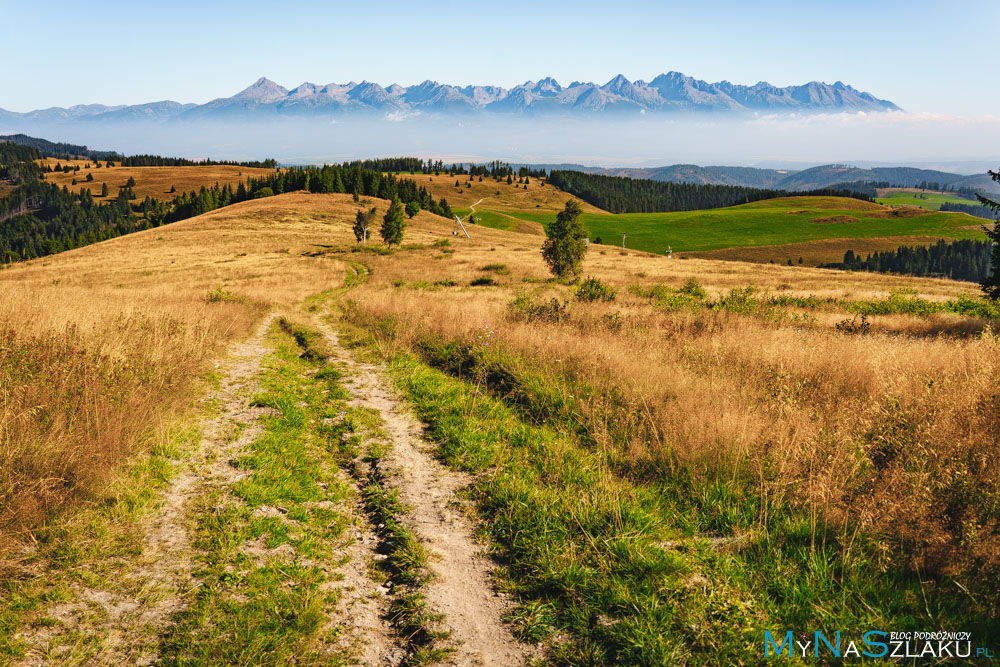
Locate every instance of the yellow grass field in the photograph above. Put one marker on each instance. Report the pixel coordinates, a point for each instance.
(153, 182)
(116, 300)
(817, 442)
(496, 196)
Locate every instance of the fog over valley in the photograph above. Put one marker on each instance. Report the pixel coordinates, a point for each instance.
(960, 144)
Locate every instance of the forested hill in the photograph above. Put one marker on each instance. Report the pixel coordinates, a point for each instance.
(959, 260)
(627, 195)
(59, 150)
(823, 176)
(39, 218)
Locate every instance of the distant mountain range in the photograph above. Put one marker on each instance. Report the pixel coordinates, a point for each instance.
(814, 178)
(671, 92)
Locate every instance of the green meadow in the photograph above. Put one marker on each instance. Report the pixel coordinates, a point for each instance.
(770, 222)
(930, 200)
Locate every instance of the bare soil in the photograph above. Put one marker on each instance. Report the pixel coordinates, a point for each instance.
(462, 585)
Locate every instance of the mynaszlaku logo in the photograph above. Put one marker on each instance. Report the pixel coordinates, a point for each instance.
(874, 644)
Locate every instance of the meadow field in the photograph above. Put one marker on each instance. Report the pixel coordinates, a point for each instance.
(817, 229)
(929, 199)
(155, 182)
(659, 471)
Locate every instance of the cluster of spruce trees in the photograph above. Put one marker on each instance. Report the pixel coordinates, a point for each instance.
(348, 179)
(58, 149)
(972, 209)
(495, 169)
(17, 163)
(160, 161)
(619, 194)
(959, 260)
(42, 219)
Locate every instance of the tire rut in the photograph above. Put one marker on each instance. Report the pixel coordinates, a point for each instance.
(462, 584)
(127, 619)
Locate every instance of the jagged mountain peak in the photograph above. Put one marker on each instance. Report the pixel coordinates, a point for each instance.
(262, 91)
(668, 92)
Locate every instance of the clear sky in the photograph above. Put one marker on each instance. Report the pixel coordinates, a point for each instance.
(927, 56)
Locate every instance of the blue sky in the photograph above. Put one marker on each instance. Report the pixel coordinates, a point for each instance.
(925, 56)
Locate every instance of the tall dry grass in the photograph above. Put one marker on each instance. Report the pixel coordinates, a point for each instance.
(100, 346)
(892, 434)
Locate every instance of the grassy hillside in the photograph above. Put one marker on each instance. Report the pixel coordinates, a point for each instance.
(496, 196)
(719, 449)
(154, 182)
(928, 199)
(769, 222)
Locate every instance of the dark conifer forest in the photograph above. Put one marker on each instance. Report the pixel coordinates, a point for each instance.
(618, 194)
(959, 260)
(40, 218)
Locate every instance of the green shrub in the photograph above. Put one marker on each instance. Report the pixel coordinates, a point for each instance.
(526, 307)
(496, 268)
(593, 289)
(482, 282)
(221, 295)
(692, 287)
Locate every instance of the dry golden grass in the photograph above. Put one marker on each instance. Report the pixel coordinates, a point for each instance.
(839, 203)
(496, 196)
(154, 182)
(889, 430)
(99, 345)
(813, 253)
(883, 431)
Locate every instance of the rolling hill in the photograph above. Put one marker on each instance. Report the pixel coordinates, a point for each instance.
(823, 176)
(276, 445)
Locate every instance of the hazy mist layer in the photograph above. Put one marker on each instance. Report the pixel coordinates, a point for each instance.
(967, 145)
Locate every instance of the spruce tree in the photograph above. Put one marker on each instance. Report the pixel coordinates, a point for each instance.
(393, 224)
(565, 246)
(991, 284)
(104, 190)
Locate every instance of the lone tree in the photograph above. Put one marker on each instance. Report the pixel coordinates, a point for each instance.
(393, 224)
(412, 208)
(566, 244)
(104, 190)
(991, 285)
(362, 223)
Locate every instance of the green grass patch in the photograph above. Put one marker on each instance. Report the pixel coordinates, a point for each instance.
(615, 561)
(95, 548)
(263, 544)
(768, 222)
(929, 200)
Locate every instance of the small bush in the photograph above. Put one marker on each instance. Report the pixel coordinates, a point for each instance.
(853, 326)
(496, 268)
(593, 289)
(221, 295)
(442, 243)
(526, 307)
(483, 282)
(692, 287)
